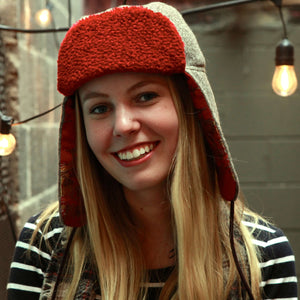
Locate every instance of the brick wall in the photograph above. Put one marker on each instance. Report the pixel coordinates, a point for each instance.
(27, 88)
(8, 165)
(37, 140)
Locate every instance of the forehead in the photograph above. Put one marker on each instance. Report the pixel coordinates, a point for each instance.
(122, 81)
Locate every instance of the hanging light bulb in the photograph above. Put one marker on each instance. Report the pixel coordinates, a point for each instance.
(43, 17)
(284, 81)
(7, 144)
(7, 140)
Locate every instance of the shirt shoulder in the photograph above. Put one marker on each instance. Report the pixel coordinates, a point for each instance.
(45, 238)
(32, 257)
(277, 260)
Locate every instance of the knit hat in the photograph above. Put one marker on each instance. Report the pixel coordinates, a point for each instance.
(153, 38)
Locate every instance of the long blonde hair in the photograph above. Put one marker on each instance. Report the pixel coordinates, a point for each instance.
(200, 223)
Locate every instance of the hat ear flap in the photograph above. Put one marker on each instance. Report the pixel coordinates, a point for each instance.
(209, 120)
(70, 197)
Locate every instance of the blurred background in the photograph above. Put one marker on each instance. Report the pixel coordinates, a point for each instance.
(239, 42)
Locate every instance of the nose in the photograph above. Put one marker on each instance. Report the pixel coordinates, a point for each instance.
(125, 122)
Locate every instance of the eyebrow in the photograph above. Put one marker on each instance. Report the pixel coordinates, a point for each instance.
(94, 94)
(143, 83)
(90, 95)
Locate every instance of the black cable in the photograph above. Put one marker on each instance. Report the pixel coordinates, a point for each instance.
(283, 23)
(231, 233)
(21, 30)
(278, 4)
(37, 116)
(184, 13)
(216, 6)
(63, 262)
(57, 44)
(69, 13)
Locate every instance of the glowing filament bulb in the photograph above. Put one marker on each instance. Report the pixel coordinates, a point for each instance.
(284, 81)
(43, 17)
(7, 144)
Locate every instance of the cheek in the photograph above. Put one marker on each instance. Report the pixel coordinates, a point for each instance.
(97, 140)
(171, 124)
(168, 127)
(174, 133)
(174, 130)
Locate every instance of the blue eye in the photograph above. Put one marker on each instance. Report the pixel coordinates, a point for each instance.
(99, 109)
(145, 97)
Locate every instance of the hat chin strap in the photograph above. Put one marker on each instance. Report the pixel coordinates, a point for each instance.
(63, 262)
(231, 233)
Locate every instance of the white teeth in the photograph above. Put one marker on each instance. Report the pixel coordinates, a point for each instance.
(129, 155)
(136, 153)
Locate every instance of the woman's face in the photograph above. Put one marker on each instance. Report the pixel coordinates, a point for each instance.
(131, 126)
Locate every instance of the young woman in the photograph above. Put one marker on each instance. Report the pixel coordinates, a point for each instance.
(147, 186)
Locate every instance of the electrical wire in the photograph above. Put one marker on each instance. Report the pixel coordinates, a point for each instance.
(216, 6)
(32, 31)
(57, 44)
(69, 13)
(184, 13)
(283, 23)
(37, 116)
(278, 4)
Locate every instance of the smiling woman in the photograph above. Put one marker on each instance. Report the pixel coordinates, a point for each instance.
(132, 127)
(147, 188)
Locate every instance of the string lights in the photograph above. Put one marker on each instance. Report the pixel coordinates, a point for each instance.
(284, 81)
(43, 17)
(7, 140)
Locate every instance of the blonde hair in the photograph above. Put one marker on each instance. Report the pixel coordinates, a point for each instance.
(200, 220)
(201, 216)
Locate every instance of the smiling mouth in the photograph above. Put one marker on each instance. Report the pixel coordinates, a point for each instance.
(136, 153)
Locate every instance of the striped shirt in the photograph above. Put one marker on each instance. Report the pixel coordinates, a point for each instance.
(26, 278)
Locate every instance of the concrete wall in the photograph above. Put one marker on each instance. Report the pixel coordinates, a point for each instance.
(262, 128)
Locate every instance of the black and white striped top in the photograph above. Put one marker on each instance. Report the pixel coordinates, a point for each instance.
(279, 279)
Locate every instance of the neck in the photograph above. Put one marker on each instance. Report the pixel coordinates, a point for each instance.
(151, 213)
(149, 209)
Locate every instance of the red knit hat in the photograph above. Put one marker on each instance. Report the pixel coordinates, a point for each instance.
(152, 39)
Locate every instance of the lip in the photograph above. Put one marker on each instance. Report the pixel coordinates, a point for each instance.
(143, 158)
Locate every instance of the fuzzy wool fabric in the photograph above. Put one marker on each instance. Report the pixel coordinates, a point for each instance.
(131, 39)
(152, 39)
